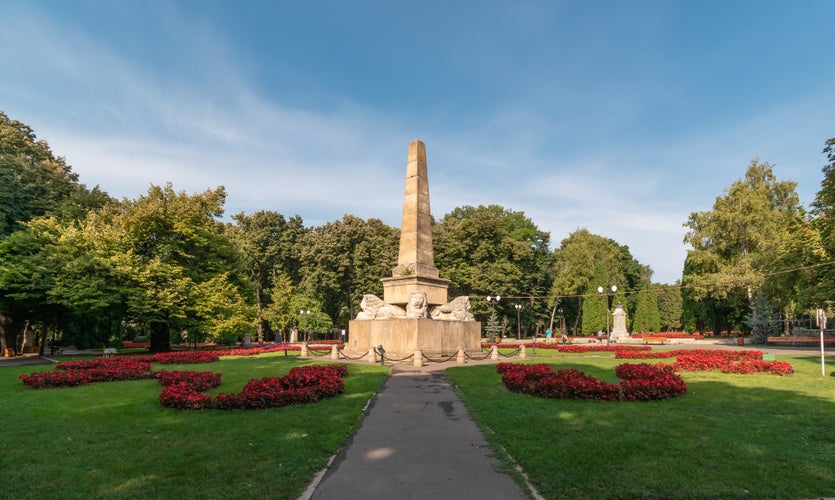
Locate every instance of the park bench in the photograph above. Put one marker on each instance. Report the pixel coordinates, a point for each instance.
(109, 352)
(655, 340)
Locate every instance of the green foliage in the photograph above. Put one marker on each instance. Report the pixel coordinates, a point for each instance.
(585, 261)
(489, 250)
(270, 248)
(751, 233)
(595, 304)
(344, 260)
(820, 281)
(761, 321)
(646, 318)
(670, 306)
(493, 329)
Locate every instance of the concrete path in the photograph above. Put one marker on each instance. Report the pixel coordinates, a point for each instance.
(416, 441)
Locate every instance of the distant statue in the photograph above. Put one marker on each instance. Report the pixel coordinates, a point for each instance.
(457, 310)
(374, 307)
(417, 306)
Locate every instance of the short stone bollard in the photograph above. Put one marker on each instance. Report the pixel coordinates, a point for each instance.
(304, 352)
(494, 353)
(418, 361)
(522, 353)
(372, 355)
(461, 358)
(334, 352)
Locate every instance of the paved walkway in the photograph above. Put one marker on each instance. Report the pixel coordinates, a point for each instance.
(416, 441)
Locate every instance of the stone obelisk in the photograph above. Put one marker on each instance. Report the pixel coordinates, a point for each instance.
(414, 275)
(415, 270)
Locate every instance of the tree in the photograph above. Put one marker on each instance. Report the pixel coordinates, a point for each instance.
(760, 320)
(744, 241)
(584, 262)
(646, 318)
(269, 244)
(595, 305)
(670, 307)
(489, 250)
(174, 263)
(343, 260)
(820, 284)
(34, 183)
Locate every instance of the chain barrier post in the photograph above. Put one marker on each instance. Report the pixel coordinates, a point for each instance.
(304, 353)
(418, 361)
(334, 352)
(494, 353)
(460, 359)
(372, 355)
(522, 353)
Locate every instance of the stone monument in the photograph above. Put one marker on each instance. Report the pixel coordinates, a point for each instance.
(619, 324)
(414, 313)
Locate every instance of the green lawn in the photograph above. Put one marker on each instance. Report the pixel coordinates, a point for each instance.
(729, 436)
(114, 440)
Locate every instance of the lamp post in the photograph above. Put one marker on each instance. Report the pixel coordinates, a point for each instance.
(302, 314)
(518, 321)
(493, 301)
(614, 289)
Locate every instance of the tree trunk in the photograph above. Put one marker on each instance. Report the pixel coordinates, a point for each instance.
(160, 337)
(7, 334)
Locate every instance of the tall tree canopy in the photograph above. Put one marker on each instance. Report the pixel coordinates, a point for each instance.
(821, 283)
(584, 262)
(344, 260)
(490, 250)
(34, 183)
(271, 249)
(737, 247)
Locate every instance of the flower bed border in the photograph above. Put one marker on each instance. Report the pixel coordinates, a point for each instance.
(184, 389)
(640, 382)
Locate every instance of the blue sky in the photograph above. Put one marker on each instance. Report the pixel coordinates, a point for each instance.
(618, 117)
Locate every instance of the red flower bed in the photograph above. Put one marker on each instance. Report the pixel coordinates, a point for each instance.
(186, 357)
(73, 373)
(743, 362)
(51, 379)
(642, 382)
(201, 381)
(301, 385)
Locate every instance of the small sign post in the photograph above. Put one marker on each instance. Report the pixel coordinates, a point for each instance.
(822, 324)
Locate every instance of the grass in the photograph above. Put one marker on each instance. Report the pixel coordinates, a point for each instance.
(114, 440)
(730, 436)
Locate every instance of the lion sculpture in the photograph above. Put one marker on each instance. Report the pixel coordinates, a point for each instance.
(457, 310)
(374, 307)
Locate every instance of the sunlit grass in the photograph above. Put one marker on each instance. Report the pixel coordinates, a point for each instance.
(730, 436)
(114, 440)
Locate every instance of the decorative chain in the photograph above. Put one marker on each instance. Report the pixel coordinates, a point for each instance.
(439, 360)
(343, 355)
(477, 358)
(323, 353)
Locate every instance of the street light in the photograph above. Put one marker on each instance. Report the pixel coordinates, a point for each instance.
(518, 321)
(614, 289)
(492, 301)
(302, 314)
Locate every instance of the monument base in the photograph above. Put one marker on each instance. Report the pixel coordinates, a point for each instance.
(405, 336)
